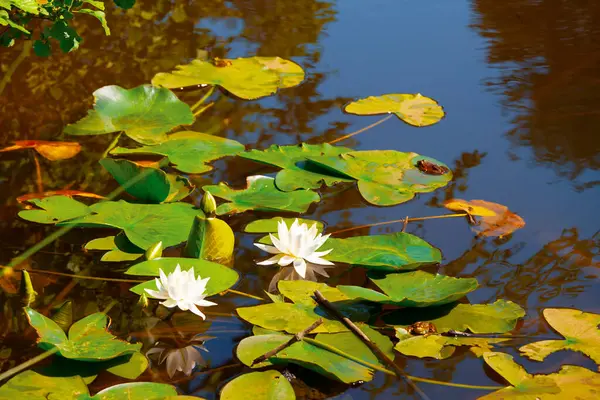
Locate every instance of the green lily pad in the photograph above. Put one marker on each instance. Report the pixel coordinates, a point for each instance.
(31, 385)
(129, 366)
(498, 317)
(291, 318)
(270, 225)
(304, 354)
(438, 346)
(247, 78)
(571, 382)
(189, 152)
(579, 328)
(414, 109)
(88, 338)
(267, 385)
(34, 386)
(143, 224)
(261, 195)
(413, 289)
(391, 252)
(388, 177)
(145, 113)
(54, 209)
(301, 292)
(316, 358)
(221, 277)
(292, 176)
(151, 185)
(118, 248)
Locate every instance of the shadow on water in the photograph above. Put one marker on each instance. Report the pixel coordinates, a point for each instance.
(541, 63)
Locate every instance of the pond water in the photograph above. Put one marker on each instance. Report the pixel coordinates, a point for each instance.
(518, 79)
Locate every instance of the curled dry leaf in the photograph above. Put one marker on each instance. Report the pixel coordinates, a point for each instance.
(67, 193)
(469, 207)
(493, 219)
(52, 151)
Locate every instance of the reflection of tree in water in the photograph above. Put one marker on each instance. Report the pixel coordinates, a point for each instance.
(47, 93)
(563, 268)
(548, 53)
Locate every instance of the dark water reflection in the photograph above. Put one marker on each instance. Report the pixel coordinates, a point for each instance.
(519, 81)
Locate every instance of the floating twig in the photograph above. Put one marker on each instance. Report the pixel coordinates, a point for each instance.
(405, 224)
(296, 338)
(365, 339)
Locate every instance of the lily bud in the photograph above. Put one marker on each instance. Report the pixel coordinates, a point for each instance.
(154, 251)
(209, 204)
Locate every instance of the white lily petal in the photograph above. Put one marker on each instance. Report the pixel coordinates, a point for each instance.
(300, 267)
(196, 311)
(267, 248)
(169, 303)
(271, 261)
(317, 260)
(286, 260)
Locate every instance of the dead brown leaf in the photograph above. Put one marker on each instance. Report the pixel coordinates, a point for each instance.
(52, 151)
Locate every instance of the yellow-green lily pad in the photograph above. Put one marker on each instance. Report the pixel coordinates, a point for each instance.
(247, 78)
(414, 109)
(579, 328)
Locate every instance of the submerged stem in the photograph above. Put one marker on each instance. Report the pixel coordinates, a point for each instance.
(206, 107)
(94, 278)
(112, 145)
(386, 371)
(204, 98)
(397, 221)
(251, 296)
(366, 128)
(23, 366)
(27, 46)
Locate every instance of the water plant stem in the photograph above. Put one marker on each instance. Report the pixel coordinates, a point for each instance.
(379, 368)
(74, 276)
(112, 145)
(404, 221)
(21, 367)
(366, 128)
(62, 231)
(38, 173)
(204, 98)
(27, 46)
(330, 308)
(251, 296)
(296, 338)
(206, 107)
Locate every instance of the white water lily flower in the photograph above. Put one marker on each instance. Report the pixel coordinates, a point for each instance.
(297, 245)
(182, 289)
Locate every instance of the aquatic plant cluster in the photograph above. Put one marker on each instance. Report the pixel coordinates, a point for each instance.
(337, 331)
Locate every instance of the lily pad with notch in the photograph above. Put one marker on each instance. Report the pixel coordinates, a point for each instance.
(413, 289)
(247, 78)
(261, 195)
(388, 177)
(295, 173)
(414, 109)
(498, 317)
(143, 224)
(189, 152)
(145, 113)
